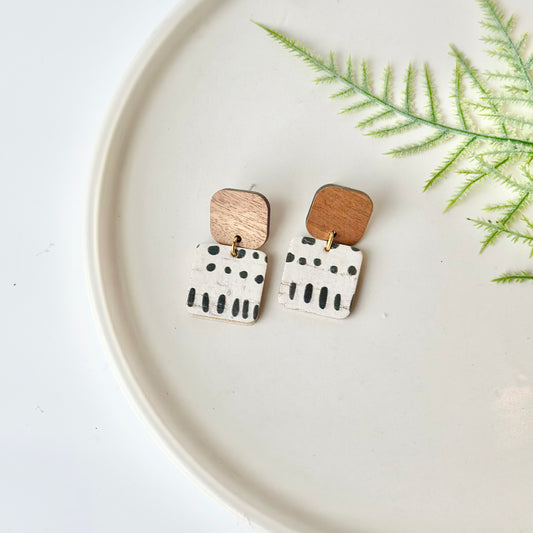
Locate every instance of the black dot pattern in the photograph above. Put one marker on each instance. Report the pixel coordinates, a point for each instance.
(221, 304)
(226, 287)
(190, 298)
(317, 281)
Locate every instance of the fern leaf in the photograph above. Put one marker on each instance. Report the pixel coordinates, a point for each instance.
(450, 162)
(349, 69)
(457, 94)
(510, 211)
(357, 106)
(422, 146)
(374, 118)
(494, 20)
(344, 93)
(409, 90)
(494, 227)
(387, 75)
(477, 176)
(365, 77)
(477, 82)
(399, 127)
(515, 277)
(432, 105)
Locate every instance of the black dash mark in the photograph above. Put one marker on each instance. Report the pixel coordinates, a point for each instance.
(205, 302)
(308, 240)
(323, 298)
(245, 306)
(221, 304)
(256, 312)
(292, 290)
(235, 308)
(256, 255)
(308, 293)
(190, 298)
(337, 302)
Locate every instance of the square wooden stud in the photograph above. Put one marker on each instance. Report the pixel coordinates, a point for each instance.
(340, 209)
(242, 213)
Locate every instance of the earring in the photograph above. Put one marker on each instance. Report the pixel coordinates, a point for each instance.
(321, 272)
(227, 278)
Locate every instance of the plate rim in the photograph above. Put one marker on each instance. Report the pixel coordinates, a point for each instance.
(98, 302)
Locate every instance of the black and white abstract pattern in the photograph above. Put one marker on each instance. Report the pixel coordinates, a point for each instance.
(226, 287)
(317, 281)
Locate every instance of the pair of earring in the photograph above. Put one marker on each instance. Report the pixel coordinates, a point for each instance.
(321, 270)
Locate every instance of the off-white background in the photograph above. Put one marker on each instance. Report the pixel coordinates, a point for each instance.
(73, 455)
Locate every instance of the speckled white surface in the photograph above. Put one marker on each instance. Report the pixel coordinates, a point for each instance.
(225, 287)
(320, 282)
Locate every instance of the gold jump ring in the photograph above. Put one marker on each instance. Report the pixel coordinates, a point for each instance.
(332, 235)
(236, 240)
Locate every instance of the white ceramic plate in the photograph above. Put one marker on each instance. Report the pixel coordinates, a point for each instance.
(414, 414)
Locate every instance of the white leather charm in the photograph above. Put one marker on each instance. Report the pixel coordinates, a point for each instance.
(317, 281)
(226, 287)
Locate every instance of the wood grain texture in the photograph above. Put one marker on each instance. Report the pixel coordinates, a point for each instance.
(320, 282)
(340, 209)
(243, 213)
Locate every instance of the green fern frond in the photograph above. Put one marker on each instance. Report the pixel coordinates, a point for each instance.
(387, 81)
(509, 212)
(432, 103)
(366, 83)
(500, 229)
(357, 106)
(476, 177)
(400, 127)
(450, 162)
(515, 277)
(408, 94)
(369, 121)
(422, 146)
(490, 137)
